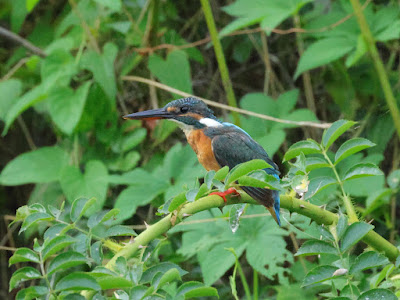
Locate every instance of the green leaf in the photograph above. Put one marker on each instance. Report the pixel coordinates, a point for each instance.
(378, 294)
(12, 88)
(323, 52)
(120, 230)
(79, 207)
(188, 286)
(113, 5)
(341, 226)
(205, 291)
(362, 170)
(335, 131)
(38, 166)
(96, 252)
(107, 282)
(245, 168)
(93, 183)
(32, 292)
(174, 71)
(353, 234)
(30, 5)
(267, 181)
(163, 267)
(66, 260)
(318, 184)
(76, 282)
(50, 247)
(177, 201)
(368, 260)
(35, 218)
(138, 195)
(23, 255)
(352, 146)
(102, 67)
(376, 199)
(313, 163)
(102, 217)
(23, 274)
(221, 173)
(306, 147)
(314, 247)
(66, 106)
(319, 274)
(167, 277)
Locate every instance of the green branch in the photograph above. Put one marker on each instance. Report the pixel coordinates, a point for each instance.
(223, 69)
(380, 69)
(292, 204)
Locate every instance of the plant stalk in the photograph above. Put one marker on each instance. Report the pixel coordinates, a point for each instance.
(380, 69)
(244, 281)
(230, 95)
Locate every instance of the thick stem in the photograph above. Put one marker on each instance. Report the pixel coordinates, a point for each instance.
(380, 69)
(230, 95)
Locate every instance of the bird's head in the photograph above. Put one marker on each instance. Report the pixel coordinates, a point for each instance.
(188, 112)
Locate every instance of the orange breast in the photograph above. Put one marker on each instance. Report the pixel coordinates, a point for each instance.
(201, 144)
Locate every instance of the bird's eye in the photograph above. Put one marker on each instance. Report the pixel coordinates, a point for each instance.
(184, 109)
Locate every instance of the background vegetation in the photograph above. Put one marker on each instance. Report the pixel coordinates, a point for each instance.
(82, 181)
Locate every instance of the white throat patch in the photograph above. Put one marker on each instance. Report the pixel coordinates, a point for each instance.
(210, 122)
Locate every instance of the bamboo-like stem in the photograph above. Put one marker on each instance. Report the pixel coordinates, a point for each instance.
(230, 95)
(380, 69)
(292, 204)
(316, 213)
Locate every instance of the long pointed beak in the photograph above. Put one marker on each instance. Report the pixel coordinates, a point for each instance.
(154, 114)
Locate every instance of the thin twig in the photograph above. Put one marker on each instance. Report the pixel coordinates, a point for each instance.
(249, 31)
(223, 106)
(23, 42)
(14, 69)
(26, 132)
(5, 248)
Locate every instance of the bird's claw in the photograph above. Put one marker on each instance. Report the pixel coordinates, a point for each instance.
(226, 193)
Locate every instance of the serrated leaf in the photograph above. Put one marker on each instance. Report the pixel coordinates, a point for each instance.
(23, 255)
(306, 147)
(35, 218)
(323, 52)
(187, 286)
(38, 166)
(55, 245)
(96, 252)
(66, 260)
(376, 199)
(120, 230)
(313, 163)
(209, 178)
(378, 294)
(352, 146)
(314, 247)
(362, 170)
(353, 234)
(341, 226)
(23, 274)
(77, 281)
(245, 168)
(270, 183)
(368, 260)
(318, 184)
(335, 131)
(319, 274)
(79, 207)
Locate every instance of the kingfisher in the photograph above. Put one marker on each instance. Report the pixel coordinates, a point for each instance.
(217, 144)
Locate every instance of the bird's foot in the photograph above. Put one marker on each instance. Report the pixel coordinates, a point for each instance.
(226, 193)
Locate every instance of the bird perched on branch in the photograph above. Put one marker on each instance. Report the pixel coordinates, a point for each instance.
(217, 144)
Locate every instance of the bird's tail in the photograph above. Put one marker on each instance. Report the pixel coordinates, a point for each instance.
(268, 198)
